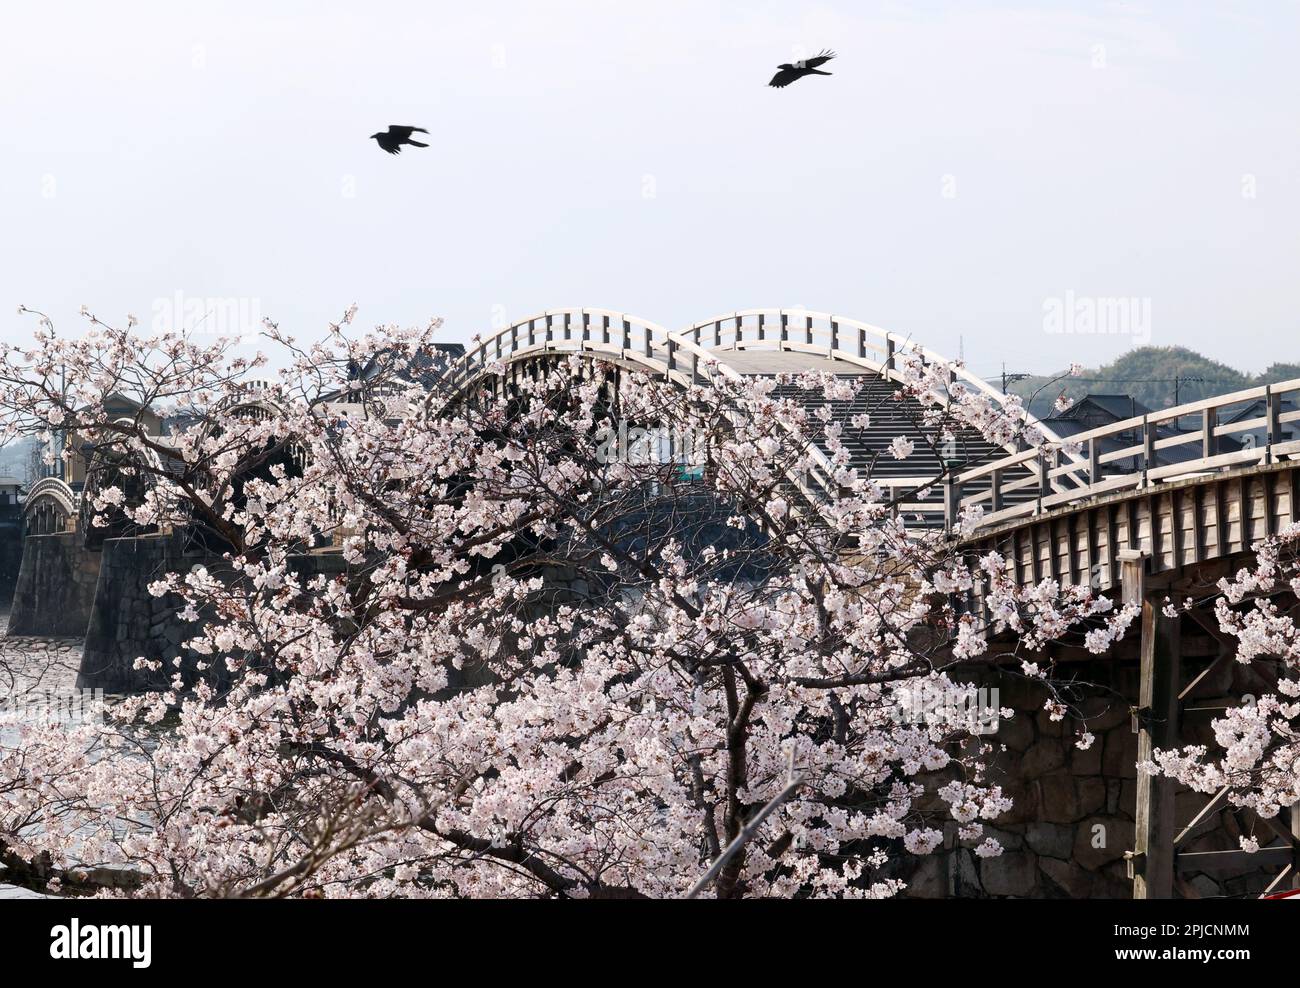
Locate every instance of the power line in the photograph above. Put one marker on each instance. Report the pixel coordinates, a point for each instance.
(1013, 377)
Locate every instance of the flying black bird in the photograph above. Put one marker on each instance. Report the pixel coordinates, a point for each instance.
(393, 139)
(791, 73)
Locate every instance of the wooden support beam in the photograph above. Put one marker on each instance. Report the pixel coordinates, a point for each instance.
(1157, 546)
(1266, 489)
(1071, 547)
(1153, 855)
(1112, 546)
(1198, 529)
(1221, 547)
(1176, 526)
(1015, 556)
(1234, 861)
(1053, 560)
(1092, 559)
(1132, 574)
(1275, 883)
(1035, 559)
(1206, 810)
(1243, 510)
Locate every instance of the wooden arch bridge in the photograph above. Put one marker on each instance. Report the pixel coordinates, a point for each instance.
(1148, 509)
(1153, 507)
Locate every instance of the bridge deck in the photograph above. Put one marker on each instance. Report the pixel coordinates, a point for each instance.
(1176, 527)
(771, 362)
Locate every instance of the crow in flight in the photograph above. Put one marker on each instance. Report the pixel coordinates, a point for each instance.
(392, 140)
(791, 73)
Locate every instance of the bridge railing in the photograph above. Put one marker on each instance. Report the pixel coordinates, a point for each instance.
(617, 335)
(832, 336)
(1242, 429)
(697, 354)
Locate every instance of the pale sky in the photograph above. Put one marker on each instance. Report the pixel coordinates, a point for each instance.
(967, 164)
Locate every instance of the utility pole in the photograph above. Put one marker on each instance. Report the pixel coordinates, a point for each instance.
(1179, 381)
(1011, 378)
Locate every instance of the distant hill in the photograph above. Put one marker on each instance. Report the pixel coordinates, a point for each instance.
(1152, 375)
(16, 459)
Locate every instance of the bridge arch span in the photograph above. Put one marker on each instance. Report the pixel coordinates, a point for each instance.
(740, 344)
(51, 507)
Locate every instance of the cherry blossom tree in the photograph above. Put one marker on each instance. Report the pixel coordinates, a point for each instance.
(557, 664)
(1257, 760)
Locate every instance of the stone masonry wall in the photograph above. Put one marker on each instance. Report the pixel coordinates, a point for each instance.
(1073, 814)
(55, 588)
(11, 558)
(127, 622)
(1074, 811)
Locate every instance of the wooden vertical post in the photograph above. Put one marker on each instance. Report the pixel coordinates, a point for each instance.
(1148, 449)
(1273, 413)
(951, 502)
(1152, 859)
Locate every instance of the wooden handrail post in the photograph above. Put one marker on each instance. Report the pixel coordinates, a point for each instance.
(1273, 410)
(1047, 462)
(1148, 449)
(1209, 422)
(995, 491)
(1094, 461)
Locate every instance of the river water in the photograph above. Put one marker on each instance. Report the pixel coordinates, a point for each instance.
(37, 679)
